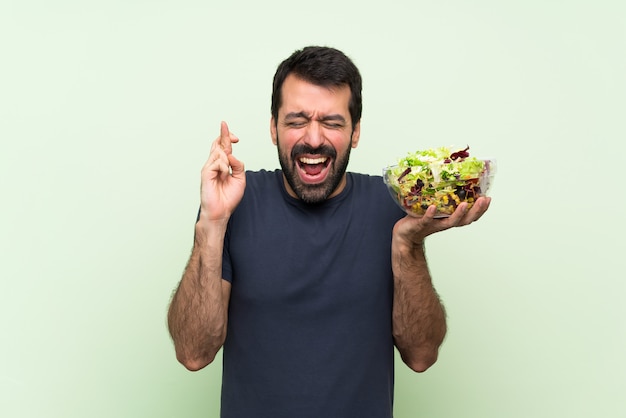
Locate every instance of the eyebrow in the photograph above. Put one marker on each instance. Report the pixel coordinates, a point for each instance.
(304, 115)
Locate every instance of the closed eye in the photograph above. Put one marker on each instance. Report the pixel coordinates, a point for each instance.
(295, 124)
(333, 121)
(299, 120)
(296, 120)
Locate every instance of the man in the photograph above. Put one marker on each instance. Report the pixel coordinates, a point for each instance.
(308, 276)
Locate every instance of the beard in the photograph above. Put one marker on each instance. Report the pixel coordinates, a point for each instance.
(313, 193)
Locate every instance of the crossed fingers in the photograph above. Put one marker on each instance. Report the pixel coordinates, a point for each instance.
(220, 149)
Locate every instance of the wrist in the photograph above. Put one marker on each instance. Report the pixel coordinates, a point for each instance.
(209, 230)
(408, 253)
(407, 243)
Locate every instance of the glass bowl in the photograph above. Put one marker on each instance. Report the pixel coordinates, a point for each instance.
(414, 189)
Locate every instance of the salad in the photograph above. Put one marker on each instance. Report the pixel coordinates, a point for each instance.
(439, 177)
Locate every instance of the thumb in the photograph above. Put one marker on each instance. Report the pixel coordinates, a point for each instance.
(236, 166)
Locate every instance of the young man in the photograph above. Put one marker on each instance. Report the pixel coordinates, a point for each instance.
(308, 276)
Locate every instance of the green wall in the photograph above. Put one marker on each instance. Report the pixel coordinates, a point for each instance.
(107, 110)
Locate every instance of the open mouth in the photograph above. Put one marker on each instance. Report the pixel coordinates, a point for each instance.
(313, 169)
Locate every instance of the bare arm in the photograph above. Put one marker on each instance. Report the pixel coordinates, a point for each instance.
(198, 312)
(197, 316)
(419, 319)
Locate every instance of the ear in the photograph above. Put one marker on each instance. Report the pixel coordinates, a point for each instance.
(273, 131)
(356, 134)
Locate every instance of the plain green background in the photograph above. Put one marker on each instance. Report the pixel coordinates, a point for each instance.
(107, 113)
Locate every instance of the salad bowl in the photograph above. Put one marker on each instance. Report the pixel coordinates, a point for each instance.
(438, 177)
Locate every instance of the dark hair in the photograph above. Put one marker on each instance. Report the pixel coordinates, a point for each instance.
(322, 66)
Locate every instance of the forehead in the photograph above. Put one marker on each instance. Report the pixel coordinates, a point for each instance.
(299, 95)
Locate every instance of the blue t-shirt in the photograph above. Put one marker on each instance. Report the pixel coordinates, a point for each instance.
(309, 326)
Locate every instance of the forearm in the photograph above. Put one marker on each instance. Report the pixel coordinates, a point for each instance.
(197, 316)
(419, 320)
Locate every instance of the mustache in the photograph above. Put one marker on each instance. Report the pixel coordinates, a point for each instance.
(307, 149)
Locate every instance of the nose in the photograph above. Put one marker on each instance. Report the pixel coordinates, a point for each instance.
(314, 136)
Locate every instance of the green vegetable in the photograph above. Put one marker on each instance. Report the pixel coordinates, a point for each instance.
(438, 177)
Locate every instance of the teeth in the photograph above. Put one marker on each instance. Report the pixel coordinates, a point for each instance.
(313, 160)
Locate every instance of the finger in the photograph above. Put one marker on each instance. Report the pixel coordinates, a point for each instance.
(458, 215)
(215, 153)
(236, 166)
(216, 144)
(480, 207)
(430, 213)
(427, 218)
(225, 138)
(217, 166)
